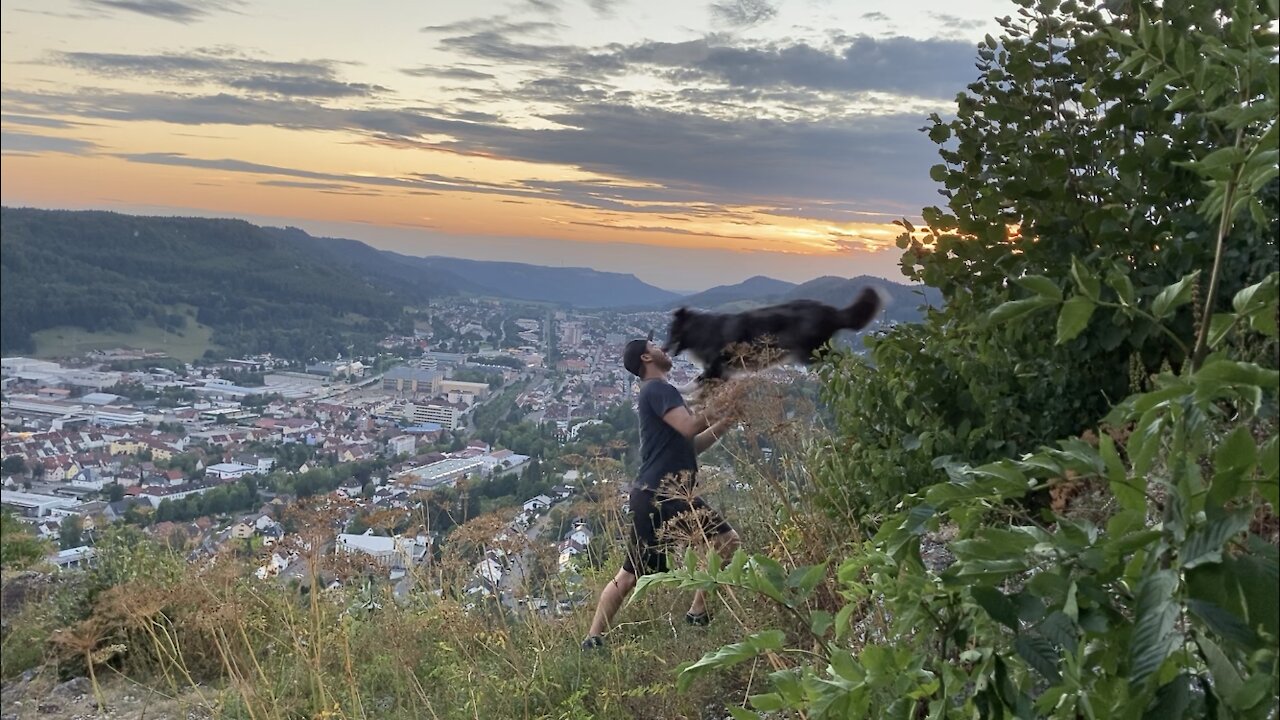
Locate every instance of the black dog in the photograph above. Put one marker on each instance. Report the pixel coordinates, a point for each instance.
(760, 338)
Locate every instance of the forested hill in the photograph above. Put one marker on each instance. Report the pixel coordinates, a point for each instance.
(256, 288)
(259, 289)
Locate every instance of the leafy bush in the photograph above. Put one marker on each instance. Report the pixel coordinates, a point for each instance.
(1135, 152)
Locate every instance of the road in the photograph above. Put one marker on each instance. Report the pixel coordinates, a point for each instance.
(514, 577)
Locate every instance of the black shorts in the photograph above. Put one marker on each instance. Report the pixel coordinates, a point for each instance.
(659, 521)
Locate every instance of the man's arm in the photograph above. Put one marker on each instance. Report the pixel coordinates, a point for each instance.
(711, 435)
(686, 423)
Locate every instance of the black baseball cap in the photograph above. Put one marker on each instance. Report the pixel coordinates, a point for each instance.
(631, 355)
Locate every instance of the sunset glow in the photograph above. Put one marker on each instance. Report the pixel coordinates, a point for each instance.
(781, 138)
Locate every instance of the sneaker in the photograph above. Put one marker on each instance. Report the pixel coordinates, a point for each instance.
(592, 642)
(699, 619)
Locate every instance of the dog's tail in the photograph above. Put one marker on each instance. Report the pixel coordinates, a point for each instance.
(863, 310)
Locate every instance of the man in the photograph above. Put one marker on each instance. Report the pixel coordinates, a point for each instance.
(662, 495)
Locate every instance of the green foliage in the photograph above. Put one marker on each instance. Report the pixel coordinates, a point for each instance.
(19, 549)
(1135, 151)
(71, 534)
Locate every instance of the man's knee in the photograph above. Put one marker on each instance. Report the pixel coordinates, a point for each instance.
(624, 581)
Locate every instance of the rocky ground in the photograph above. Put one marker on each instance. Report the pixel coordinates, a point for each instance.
(34, 696)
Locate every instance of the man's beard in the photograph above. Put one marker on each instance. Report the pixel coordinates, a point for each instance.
(664, 363)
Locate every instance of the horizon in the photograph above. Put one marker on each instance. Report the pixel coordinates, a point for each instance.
(689, 145)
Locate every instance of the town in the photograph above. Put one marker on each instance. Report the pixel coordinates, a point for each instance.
(488, 407)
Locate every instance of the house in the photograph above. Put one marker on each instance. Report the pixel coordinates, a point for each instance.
(386, 551)
(401, 445)
(73, 558)
(241, 531)
(349, 488)
(489, 570)
(538, 502)
(230, 471)
(116, 510)
(562, 492)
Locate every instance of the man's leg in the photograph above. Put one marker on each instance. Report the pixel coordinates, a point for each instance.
(725, 544)
(611, 598)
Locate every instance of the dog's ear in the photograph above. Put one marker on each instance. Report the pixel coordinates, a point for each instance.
(681, 313)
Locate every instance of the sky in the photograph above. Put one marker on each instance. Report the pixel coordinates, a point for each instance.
(690, 143)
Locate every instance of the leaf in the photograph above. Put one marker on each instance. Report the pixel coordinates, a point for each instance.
(842, 620)
(1232, 373)
(1123, 287)
(1219, 325)
(820, 622)
(1175, 295)
(1153, 635)
(1269, 464)
(1129, 496)
(1071, 608)
(1205, 544)
(1225, 624)
(731, 655)
(1085, 279)
(1074, 317)
(1226, 679)
(738, 713)
(1042, 286)
(1015, 309)
(1256, 296)
(805, 579)
(997, 605)
(1061, 630)
(1172, 700)
(1220, 158)
(1257, 576)
(1232, 462)
(1039, 654)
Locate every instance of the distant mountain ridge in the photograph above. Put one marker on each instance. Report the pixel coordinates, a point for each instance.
(577, 286)
(752, 288)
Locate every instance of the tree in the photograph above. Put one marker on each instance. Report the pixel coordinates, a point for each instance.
(115, 492)
(71, 534)
(1089, 164)
(1135, 149)
(13, 465)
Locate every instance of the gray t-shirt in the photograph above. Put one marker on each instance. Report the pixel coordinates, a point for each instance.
(663, 450)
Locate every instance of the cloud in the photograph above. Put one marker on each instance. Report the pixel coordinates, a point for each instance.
(955, 22)
(449, 73)
(491, 24)
(317, 79)
(181, 11)
(37, 121)
(603, 8)
(875, 17)
(28, 144)
(935, 67)
(742, 13)
(691, 156)
(548, 7)
(656, 229)
(930, 68)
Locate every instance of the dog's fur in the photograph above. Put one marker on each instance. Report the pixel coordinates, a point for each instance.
(757, 339)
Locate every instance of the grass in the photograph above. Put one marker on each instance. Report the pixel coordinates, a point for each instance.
(66, 341)
(248, 649)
